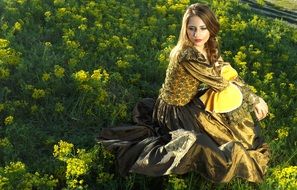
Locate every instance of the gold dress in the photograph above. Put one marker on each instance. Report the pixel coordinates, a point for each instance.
(189, 128)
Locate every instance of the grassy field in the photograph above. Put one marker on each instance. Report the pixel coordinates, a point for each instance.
(68, 68)
(285, 4)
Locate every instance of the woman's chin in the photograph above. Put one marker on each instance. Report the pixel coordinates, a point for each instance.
(199, 45)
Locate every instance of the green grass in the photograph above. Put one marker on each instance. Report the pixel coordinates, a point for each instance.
(284, 4)
(69, 68)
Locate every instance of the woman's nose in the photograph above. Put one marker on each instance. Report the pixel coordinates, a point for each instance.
(195, 33)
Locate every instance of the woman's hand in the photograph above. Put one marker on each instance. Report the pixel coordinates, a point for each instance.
(261, 109)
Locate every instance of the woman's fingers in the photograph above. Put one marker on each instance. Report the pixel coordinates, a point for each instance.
(261, 109)
(259, 114)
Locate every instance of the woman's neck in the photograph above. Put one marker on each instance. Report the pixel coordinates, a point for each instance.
(201, 49)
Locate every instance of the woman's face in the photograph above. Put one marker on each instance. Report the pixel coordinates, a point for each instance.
(197, 32)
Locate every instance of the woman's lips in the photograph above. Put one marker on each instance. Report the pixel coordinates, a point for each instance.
(198, 40)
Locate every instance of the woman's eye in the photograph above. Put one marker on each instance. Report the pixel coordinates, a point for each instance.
(203, 28)
(192, 29)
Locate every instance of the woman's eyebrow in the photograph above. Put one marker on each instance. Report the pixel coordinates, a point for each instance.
(196, 26)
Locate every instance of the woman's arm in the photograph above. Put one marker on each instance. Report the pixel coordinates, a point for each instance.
(195, 64)
(257, 104)
(205, 75)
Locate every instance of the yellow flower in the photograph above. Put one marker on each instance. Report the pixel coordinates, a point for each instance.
(59, 2)
(4, 73)
(48, 44)
(5, 143)
(62, 150)
(72, 44)
(8, 120)
(105, 75)
(38, 93)
(86, 88)
(100, 74)
(102, 95)
(282, 133)
(285, 177)
(47, 14)
(82, 54)
(61, 12)
(21, 1)
(59, 71)
(75, 184)
(96, 74)
(4, 182)
(46, 77)
(75, 167)
(268, 77)
(122, 64)
(82, 27)
(17, 26)
(81, 76)
(4, 26)
(4, 43)
(14, 167)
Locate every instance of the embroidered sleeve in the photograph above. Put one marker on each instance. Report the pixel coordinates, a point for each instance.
(194, 63)
(250, 97)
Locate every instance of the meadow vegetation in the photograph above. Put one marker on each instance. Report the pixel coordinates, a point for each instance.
(71, 67)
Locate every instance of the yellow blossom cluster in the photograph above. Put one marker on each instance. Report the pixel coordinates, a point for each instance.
(3, 182)
(46, 77)
(75, 184)
(4, 73)
(5, 143)
(81, 76)
(15, 176)
(286, 177)
(4, 43)
(282, 133)
(99, 74)
(59, 71)
(85, 88)
(38, 93)
(48, 44)
(17, 26)
(9, 170)
(47, 15)
(62, 150)
(76, 163)
(8, 120)
(14, 166)
(75, 167)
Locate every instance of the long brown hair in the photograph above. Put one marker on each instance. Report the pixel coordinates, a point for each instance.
(213, 26)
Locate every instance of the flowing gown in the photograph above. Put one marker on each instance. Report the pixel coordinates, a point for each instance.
(175, 134)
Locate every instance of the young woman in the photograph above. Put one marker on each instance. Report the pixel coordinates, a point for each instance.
(203, 118)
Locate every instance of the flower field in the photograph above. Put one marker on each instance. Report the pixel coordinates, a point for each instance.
(71, 67)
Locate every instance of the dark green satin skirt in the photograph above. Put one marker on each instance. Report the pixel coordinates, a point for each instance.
(167, 139)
